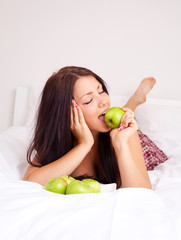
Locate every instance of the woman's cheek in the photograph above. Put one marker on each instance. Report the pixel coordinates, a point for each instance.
(89, 114)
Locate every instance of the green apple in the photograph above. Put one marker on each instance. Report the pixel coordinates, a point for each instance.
(69, 179)
(77, 186)
(57, 185)
(113, 117)
(95, 185)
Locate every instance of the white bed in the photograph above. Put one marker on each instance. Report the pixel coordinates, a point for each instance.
(27, 211)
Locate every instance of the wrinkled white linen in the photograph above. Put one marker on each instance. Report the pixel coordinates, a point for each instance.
(30, 212)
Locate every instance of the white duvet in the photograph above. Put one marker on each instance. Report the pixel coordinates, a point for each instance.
(27, 211)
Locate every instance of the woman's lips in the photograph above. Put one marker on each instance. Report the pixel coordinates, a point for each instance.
(101, 118)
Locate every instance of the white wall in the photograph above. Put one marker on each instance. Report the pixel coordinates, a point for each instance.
(122, 41)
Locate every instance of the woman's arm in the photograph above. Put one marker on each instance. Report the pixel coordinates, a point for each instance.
(129, 154)
(70, 161)
(63, 166)
(131, 164)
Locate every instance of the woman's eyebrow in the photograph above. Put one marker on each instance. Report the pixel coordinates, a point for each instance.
(90, 92)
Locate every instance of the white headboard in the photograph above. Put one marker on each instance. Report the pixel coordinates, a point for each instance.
(20, 106)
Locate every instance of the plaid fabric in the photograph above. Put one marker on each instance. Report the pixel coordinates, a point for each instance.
(153, 156)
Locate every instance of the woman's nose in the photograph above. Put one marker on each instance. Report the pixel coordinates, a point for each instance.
(102, 102)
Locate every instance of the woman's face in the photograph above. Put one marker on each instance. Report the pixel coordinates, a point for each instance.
(93, 101)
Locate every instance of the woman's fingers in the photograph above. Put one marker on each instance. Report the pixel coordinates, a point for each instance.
(71, 118)
(75, 114)
(79, 127)
(127, 117)
(80, 115)
(127, 121)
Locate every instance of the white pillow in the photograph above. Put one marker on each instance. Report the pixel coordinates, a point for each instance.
(160, 120)
(13, 148)
(118, 101)
(163, 117)
(159, 116)
(33, 104)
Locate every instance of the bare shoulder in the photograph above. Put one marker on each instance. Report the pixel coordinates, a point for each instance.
(36, 162)
(32, 168)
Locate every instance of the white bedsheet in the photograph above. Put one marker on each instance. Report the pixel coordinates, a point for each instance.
(27, 211)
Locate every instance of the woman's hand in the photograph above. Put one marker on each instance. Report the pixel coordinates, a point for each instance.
(79, 127)
(127, 128)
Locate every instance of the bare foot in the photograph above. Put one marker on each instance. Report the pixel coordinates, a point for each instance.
(139, 96)
(144, 88)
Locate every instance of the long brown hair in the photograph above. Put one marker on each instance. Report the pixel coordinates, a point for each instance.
(53, 137)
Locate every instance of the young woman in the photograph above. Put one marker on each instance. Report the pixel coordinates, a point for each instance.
(72, 138)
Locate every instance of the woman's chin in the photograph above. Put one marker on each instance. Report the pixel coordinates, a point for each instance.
(105, 129)
(100, 127)
(95, 132)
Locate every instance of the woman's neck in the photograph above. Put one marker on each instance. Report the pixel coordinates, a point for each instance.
(95, 135)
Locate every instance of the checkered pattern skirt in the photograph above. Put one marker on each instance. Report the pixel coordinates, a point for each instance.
(153, 156)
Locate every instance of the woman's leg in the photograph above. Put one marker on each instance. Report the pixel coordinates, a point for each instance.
(139, 96)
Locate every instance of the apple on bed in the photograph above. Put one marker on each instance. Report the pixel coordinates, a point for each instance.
(67, 178)
(95, 185)
(68, 185)
(77, 187)
(57, 185)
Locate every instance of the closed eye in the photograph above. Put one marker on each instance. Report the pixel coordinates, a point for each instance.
(88, 102)
(102, 92)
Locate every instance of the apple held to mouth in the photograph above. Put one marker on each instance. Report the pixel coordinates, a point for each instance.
(113, 117)
(95, 185)
(77, 186)
(57, 185)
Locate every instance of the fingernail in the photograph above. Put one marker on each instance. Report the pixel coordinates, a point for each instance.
(120, 127)
(76, 105)
(72, 101)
